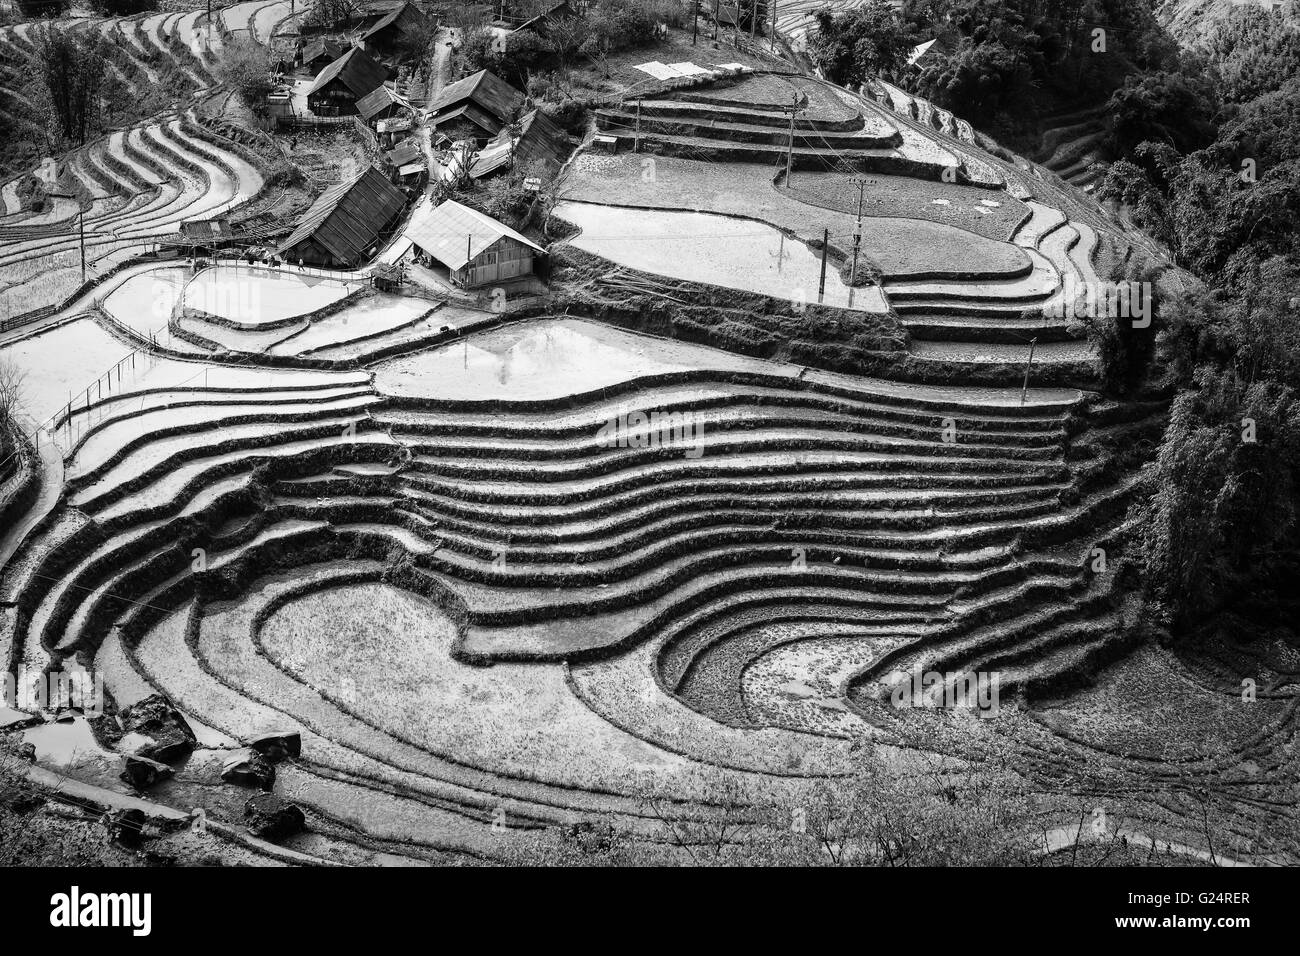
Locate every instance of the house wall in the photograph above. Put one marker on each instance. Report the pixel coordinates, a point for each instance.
(312, 254)
(461, 128)
(505, 259)
(334, 100)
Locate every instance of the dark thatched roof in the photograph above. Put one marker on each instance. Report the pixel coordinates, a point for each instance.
(347, 219)
(356, 70)
(486, 90)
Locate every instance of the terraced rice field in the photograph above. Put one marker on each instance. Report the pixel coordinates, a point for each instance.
(137, 183)
(656, 617)
(702, 247)
(508, 574)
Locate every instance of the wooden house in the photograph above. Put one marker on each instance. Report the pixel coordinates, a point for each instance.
(345, 222)
(477, 107)
(340, 85)
(476, 249)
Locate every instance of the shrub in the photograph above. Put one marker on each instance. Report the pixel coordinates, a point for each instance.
(246, 67)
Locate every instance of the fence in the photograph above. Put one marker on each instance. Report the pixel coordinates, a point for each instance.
(308, 122)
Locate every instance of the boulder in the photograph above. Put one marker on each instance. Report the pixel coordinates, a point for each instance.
(249, 769)
(166, 736)
(142, 772)
(272, 818)
(125, 826)
(278, 745)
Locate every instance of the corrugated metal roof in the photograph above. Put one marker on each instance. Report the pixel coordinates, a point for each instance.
(487, 90)
(455, 234)
(493, 156)
(347, 218)
(404, 152)
(375, 102)
(357, 71)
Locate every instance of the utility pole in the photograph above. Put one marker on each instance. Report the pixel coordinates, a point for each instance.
(695, 23)
(753, 19)
(789, 152)
(715, 20)
(469, 256)
(81, 235)
(772, 4)
(857, 232)
(1024, 388)
(636, 135)
(81, 227)
(821, 288)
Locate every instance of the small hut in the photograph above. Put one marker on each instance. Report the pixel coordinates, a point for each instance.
(476, 249)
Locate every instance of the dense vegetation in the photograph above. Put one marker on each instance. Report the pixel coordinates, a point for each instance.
(1006, 63)
(72, 68)
(245, 67)
(1205, 144)
(1210, 166)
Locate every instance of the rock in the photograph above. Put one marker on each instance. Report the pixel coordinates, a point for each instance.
(165, 733)
(21, 800)
(125, 826)
(278, 745)
(142, 773)
(167, 747)
(272, 818)
(249, 769)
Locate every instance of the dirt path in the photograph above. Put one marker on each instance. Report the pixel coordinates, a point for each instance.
(441, 70)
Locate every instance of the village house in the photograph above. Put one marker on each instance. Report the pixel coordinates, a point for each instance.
(475, 249)
(384, 39)
(340, 85)
(534, 139)
(541, 23)
(390, 130)
(319, 52)
(345, 222)
(382, 103)
(477, 107)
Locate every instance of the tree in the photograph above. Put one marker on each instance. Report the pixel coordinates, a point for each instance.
(1168, 108)
(36, 9)
(333, 13)
(1251, 55)
(124, 8)
(414, 44)
(479, 50)
(12, 379)
(869, 40)
(979, 81)
(246, 68)
(72, 68)
(567, 37)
